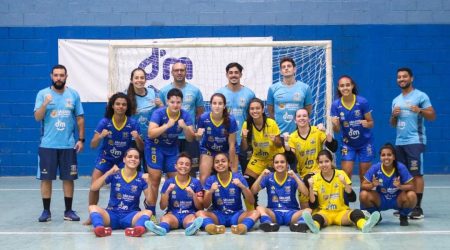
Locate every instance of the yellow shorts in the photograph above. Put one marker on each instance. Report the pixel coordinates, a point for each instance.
(257, 165)
(334, 217)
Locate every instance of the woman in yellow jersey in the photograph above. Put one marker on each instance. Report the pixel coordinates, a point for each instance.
(326, 193)
(263, 134)
(306, 142)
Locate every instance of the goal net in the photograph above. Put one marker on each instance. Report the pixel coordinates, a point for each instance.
(206, 62)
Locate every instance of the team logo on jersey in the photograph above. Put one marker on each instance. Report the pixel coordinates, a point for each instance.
(357, 112)
(313, 141)
(242, 103)
(60, 125)
(336, 185)
(342, 115)
(208, 130)
(287, 189)
(174, 192)
(346, 125)
(325, 196)
(296, 96)
(125, 135)
(69, 103)
(54, 113)
(219, 202)
(188, 98)
(275, 198)
(232, 191)
(281, 106)
(133, 188)
(383, 190)
(176, 204)
(110, 142)
(344, 151)
(118, 196)
(211, 138)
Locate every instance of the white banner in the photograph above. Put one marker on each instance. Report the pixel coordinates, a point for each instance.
(87, 65)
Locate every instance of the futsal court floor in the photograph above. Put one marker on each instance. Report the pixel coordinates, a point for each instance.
(21, 205)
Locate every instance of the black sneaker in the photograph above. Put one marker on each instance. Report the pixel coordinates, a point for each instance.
(404, 220)
(269, 227)
(298, 227)
(416, 213)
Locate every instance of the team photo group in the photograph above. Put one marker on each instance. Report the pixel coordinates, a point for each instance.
(214, 163)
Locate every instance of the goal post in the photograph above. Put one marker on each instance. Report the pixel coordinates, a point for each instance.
(206, 62)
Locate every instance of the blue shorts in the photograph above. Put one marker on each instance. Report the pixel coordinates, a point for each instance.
(160, 158)
(412, 156)
(180, 217)
(52, 160)
(121, 220)
(364, 153)
(386, 204)
(228, 219)
(284, 216)
(192, 148)
(104, 165)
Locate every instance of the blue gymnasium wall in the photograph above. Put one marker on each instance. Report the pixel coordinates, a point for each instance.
(369, 44)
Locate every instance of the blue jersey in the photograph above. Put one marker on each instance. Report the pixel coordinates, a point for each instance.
(353, 133)
(410, 125)
(237, 104)
(125, 194)
(192, 99)
(227, 198)
(119, 140)
(286, 100)
(215, 137)
(170, 137)
(179, 199)
(386, 187)
(281, 194)
(58, 125)
(145, 107)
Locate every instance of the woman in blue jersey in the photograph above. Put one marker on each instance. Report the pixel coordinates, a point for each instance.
(182, 196)
(327, 192)
(117, 132)
(123, 210)
(282, 206)
(223, 195)
(166, 124)
(352, 114)
(393, 186)
(143, 101)
(216, 131)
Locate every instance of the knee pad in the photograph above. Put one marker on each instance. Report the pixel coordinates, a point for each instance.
(356, 215)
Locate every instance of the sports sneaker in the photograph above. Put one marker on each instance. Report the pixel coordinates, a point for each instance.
(45, 216)
(416, 213)
(194, 227)
(102, 231)
(239, 229)
(371, 222)
(396, 213)
(70, 215)
(404, 220)
(298, 227)
(379, 220)
(310, 222)
(136, 231)
(269, 227)
(155, 228)
(215, 229)
(366, 214)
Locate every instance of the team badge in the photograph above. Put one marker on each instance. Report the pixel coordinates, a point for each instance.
(54, 114)
(346, 124)
(232, 191)
(242, 103)
(211, 138)
(110, 142)
(287, 189)
(342, 115)
(176, 204)
(69, 103)
(325, 196)
(219, 202)
(275, 198)
(119, 196)
(357, 112)
(383, 190)
(296, 96)
(281, 106)
(125, 135)
(133, 188)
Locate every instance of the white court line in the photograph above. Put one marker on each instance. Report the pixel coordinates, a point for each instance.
(292, 233)
(87, 189)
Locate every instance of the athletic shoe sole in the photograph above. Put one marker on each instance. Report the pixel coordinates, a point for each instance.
(215, 229)
(155, 229)
(194, 227)
(371, 222)
(310, 222)
(269, 227)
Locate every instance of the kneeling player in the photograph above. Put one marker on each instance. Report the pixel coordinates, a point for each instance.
(223, 192)
(282, 206)
(326, 192)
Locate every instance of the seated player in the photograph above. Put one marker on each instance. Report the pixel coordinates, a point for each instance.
(393, 186)
(123, 210)
(282, 206)
(326, 193)
(182, 196)
(223, 195)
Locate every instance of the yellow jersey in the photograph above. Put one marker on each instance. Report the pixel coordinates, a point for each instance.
(330, 194)
(306, 149)
(263, 147)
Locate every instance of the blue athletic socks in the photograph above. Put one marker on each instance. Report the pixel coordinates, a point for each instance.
(97, 219)
(141, 221)
(265, 218)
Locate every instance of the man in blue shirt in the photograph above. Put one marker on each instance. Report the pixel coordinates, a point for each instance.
(409, 109)
(238, 97)
(192, 103)
(59, 109)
